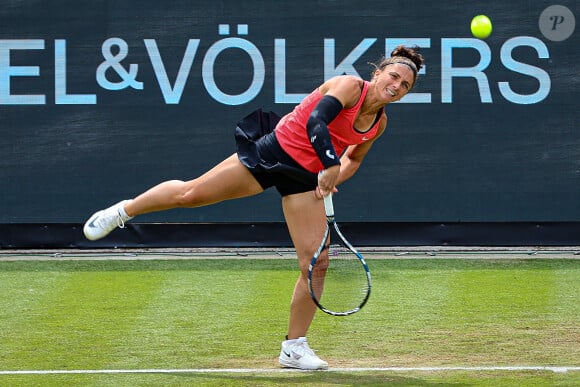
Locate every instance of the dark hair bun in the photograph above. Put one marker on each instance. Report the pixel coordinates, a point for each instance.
(411, 53)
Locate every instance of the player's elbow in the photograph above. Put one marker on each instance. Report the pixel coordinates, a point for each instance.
(349, 166)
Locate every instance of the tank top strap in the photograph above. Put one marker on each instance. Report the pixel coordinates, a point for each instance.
(363, 94)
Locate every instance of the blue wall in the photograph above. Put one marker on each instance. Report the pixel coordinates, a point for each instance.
(100, 100)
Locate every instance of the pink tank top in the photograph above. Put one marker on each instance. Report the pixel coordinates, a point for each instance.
(293, 138)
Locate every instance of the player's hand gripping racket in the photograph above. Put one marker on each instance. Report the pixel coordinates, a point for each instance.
(339, 279)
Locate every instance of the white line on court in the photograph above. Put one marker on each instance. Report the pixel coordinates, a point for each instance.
(556, 369)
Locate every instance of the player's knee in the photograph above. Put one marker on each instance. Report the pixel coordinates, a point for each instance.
(186, 194)
(321, 263)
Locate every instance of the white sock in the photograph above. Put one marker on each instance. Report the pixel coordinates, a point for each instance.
(123, 213)
(291, 341)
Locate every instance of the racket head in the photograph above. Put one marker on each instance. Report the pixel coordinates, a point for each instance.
(339, 279)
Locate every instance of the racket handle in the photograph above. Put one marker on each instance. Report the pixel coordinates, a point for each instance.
(328, 206)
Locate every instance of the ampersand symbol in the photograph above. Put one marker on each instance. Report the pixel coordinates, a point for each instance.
(114, 61)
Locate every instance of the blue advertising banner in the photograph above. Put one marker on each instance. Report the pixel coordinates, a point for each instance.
(101, 100)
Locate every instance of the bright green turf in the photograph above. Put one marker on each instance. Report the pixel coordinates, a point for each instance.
(232, 313)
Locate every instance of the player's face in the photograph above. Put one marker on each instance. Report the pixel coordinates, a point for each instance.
(394, 82)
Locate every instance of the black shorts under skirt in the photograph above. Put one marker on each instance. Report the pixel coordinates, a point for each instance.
(259, 150)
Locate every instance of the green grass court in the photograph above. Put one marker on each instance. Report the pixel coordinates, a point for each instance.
(460, 319)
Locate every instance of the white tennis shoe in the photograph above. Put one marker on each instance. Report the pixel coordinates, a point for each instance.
(103, 222)
(297, 354)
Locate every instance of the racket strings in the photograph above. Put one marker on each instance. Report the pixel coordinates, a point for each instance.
(340, 283)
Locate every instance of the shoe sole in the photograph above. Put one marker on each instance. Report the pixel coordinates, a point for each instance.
(291, 364)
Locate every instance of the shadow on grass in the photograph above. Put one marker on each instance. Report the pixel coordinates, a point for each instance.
(310, 379)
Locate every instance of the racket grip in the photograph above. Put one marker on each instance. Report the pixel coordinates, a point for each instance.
(328, 206)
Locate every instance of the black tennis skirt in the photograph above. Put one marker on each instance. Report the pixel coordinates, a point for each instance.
(259, 150)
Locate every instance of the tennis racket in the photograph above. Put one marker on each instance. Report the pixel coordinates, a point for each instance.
(339, 279)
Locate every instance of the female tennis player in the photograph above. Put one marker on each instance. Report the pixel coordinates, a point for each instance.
(304, 155)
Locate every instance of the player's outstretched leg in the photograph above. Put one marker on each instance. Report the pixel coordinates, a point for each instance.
(230, 179)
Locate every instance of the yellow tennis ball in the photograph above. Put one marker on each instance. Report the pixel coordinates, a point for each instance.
(481, 26)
